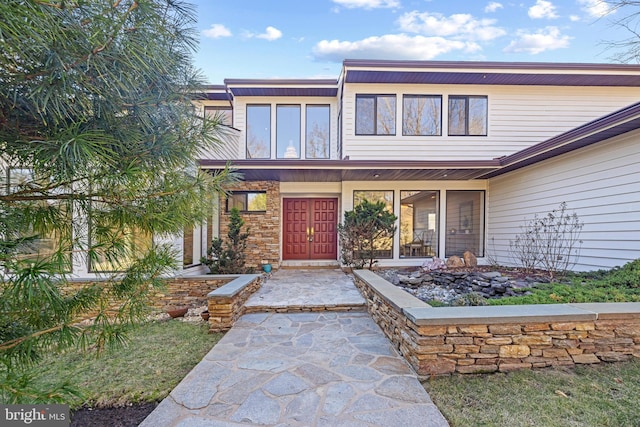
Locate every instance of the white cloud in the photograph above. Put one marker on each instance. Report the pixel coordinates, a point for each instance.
(458, 26)
(391, 46)
(548, 38)
(493, 6)
(574, 18)
(217, 31)
(596, 8)
(270, 34)
(367, 4)
(542, 9)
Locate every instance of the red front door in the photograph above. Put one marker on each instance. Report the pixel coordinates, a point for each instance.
(309, 229)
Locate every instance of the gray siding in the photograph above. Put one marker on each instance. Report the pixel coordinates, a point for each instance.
(600, 183)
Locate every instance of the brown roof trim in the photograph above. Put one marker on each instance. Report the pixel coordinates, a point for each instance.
(603, 128)
(350, 164)
(280, 82)
(363, 63)
(491, 78)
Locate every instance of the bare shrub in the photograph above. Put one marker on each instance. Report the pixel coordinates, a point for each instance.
(551, 242)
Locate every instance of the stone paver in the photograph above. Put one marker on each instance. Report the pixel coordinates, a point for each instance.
(301, 369)
(307, 288)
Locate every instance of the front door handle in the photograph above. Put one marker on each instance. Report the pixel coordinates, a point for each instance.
(311, 234)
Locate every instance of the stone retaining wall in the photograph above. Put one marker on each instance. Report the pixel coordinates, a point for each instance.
(184, 291)
(189, 291)
(226, 304)
(471, 340)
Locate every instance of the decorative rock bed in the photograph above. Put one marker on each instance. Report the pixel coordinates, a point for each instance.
(448, 286)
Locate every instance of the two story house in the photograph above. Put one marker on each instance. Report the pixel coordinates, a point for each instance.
(461, 152)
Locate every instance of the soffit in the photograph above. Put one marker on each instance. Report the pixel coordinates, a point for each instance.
(354, 170)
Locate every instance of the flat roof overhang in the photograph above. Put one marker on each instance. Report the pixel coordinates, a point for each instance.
(355, 170)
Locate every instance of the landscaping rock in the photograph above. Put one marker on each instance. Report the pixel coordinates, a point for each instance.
(470, 259)
(455, 262)
(448, 286)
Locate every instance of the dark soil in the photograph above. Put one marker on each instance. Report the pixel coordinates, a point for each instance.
(125, 416)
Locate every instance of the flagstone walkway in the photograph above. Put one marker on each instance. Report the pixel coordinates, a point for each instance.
(300, 369)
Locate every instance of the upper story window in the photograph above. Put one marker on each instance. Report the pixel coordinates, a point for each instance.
(225, 114)
(422, 115)
(288, 129)
(246, 201)
(468, 115)
(258, 131)
(317, 133)
(375, 114)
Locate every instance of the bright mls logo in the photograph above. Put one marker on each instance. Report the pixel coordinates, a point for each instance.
(35, 415)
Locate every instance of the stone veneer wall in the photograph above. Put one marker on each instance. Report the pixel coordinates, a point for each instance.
(226, 304)
(186, 291)
(470, 340)
(263, 242)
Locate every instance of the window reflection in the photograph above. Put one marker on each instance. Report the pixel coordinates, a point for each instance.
(258, 131)
(419, 223)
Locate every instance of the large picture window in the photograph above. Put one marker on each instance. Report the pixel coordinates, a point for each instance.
(45, 234)
(419, 223)
(422, 115)
(288, 131)
(246, 201)
(375, 114)
(317, 134)
(258, 131)
(116, 248)
(385, 246)
(468, 115)
(465, 223)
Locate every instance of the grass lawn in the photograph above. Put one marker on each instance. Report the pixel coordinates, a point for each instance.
(596, 395)
(157, 357)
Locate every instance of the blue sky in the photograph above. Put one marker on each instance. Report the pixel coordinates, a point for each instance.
(310, 38)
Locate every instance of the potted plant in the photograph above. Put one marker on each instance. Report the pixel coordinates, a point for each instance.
(266, 266)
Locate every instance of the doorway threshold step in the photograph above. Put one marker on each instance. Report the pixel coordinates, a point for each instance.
(303, 264)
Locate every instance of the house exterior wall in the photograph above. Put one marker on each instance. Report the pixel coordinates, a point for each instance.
(229, 145)
(518, 117)
(600, 183)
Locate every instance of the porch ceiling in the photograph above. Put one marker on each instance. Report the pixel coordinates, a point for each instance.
(355, 170)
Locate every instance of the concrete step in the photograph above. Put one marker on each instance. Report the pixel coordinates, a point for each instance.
(308, 264)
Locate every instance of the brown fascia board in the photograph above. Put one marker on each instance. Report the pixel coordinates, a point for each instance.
(280, 82)
(489, 78)
(279, 87)
(214, 93)
(501, 73)
(560, 66)
(617, 123)
(349, 164)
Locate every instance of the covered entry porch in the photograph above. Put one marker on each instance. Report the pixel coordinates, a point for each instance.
(440, 206)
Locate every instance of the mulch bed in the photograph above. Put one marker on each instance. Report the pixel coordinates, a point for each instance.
(125, 416)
